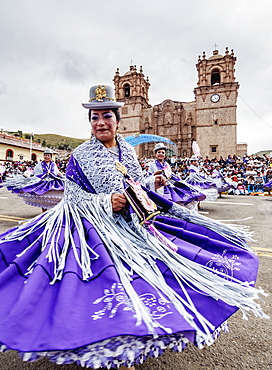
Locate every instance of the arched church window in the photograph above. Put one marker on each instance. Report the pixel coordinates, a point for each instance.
(127, 90)
(215, 77)
(9, 155)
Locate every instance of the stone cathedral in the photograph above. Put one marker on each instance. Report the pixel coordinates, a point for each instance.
(210, 119)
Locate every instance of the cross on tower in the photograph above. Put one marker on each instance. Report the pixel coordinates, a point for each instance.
(131, 62)
(215, 46)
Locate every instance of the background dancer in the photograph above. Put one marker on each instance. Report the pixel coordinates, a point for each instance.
(223, 184)
(175, 189)
(44, 189)
(204, 183)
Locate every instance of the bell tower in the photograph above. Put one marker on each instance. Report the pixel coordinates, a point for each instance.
(132, 89)
(216, 104)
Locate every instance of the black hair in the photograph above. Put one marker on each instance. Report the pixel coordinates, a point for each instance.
(115, 111)
(155, 151)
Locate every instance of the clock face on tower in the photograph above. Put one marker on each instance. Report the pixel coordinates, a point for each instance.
(215, 98)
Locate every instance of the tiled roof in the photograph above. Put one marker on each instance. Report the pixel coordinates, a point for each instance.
(13, 141)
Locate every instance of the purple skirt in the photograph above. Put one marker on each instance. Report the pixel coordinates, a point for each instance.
(41, 187)
(74, 318)
(182, 194)
(224, 187)
(202, 185)
(268, 185)
(43, 193)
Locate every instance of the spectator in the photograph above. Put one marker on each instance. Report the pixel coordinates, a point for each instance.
(250, 184)
(259, 182)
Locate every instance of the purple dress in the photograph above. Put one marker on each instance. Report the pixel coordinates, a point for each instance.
(44, 189)
(176, 190)
(222, 183)
(268, 185)
(206, 185)
(81, 283)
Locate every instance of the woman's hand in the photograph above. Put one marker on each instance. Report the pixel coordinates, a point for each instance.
(159, 181)
(157, 172)
(118, 202)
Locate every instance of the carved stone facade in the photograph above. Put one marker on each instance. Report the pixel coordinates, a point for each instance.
(210, 119)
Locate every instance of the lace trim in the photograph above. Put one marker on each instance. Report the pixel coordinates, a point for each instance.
(112, 353)
(98, 164)
(123, 350)
(47, 200)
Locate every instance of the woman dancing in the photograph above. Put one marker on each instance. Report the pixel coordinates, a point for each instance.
(115, 273)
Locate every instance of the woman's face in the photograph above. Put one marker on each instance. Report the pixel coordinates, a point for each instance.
(104, 125)
(47, 157)
(160, 154)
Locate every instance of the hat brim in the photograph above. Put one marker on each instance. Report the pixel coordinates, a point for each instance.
(103, 105)
(161, 147)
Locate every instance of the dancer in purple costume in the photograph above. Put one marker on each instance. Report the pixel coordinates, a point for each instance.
(175, 190)
(44, 189)
(223, 184)
(205, 184)
(86, 283)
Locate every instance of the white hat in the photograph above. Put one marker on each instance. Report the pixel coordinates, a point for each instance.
(48, 151)
(102, 97)
(193, 158)
(159, 146)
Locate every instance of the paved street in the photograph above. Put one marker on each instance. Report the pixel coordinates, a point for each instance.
(249, 343)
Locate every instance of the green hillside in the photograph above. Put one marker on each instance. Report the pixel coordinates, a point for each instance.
(52, 140)
(58, 141)
(262, 152)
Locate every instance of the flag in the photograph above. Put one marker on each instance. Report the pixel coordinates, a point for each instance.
(196, 149)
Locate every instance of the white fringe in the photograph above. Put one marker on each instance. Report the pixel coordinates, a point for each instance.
(140, 250)
(237, 234)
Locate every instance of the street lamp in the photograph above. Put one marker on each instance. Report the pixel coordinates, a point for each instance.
(31, 135)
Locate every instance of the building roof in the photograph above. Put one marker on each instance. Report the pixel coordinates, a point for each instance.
(21, 143)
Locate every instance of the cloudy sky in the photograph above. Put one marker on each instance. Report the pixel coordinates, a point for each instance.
(52, 51)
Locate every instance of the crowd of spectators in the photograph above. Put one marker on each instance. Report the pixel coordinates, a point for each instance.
(248, 173)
